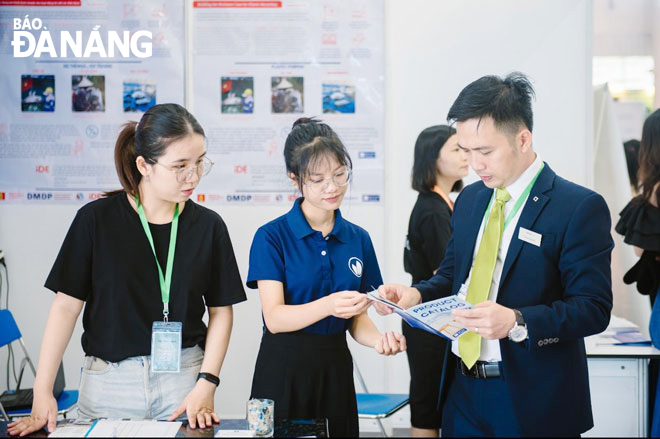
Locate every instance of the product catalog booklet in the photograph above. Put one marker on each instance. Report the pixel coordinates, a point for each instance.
(434, 316)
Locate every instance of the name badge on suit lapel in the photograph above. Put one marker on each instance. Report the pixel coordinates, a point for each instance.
(529, 236)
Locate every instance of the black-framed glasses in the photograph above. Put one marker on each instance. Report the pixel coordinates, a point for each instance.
(340, 179)
(185, 173)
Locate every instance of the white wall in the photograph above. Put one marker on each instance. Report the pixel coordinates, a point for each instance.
(628, 28)
(433, 49)
(624, 27)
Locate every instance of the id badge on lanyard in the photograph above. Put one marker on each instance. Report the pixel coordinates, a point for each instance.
(166, 346)
(166, 336)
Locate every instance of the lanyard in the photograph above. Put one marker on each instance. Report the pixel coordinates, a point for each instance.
(518, 204)
(165, 281)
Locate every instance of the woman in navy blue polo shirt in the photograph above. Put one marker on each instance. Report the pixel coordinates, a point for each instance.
(312, 267)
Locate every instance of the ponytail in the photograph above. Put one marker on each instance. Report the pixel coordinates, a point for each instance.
(127, 171)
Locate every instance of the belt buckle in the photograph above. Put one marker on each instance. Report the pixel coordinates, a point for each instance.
(477, 371)
(473, 372)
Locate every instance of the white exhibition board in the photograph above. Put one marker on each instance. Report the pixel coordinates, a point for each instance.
(259, 66)
(61, 111)
(256, 67)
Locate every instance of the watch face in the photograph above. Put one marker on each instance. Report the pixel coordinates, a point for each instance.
(518, 334)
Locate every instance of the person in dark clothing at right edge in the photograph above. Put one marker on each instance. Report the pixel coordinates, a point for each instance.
(437, 170)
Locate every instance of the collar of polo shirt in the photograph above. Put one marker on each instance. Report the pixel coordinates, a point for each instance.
(302, 229)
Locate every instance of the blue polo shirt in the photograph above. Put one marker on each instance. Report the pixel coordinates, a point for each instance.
(311, 266)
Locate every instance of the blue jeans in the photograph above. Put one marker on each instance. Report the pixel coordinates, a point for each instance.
(128, 389)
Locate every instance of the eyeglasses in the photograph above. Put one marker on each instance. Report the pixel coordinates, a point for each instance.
(185, 173)
(340, 179)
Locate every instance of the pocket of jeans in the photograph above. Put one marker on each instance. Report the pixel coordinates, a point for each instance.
(194, 359)
(96, 366)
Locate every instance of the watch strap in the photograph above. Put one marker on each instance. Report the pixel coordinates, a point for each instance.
(209, 377)
(520, 321)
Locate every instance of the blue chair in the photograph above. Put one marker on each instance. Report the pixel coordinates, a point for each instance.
(3, 413)
(377, 406)
(9, 333)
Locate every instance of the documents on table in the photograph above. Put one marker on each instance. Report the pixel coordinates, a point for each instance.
(115, 428)
(234, 433)
(619, 332)
(73, 428)
(434, 316)
(233, 428)
(631, 337)
(623, 332)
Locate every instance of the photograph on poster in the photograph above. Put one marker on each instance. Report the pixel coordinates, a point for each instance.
(237, 94)
(338, 98)
(38, 93)
(287, 94)
(88, 93)
(139, 96)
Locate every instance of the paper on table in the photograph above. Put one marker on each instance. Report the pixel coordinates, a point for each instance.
(117, 428)
(234, 433)
(632, 337)
(73, 428)
(617, 323)
(233, 428)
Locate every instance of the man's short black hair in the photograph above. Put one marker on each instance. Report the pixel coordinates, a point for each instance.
(507, 100)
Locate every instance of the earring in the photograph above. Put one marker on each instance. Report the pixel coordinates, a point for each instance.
(146, 178)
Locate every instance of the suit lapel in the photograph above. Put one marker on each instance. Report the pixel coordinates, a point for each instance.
(472, 230)
(533, 207)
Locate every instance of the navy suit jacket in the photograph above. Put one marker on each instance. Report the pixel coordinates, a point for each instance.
(563, 289)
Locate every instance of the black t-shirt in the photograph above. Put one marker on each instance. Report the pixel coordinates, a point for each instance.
(429, 230)
(106, 260)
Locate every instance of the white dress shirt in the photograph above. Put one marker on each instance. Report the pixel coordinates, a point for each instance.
(490, 349)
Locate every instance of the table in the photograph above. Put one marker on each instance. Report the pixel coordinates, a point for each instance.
(283, 428)
(618, 380)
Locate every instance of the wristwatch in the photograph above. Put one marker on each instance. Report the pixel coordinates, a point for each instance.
(519, 331)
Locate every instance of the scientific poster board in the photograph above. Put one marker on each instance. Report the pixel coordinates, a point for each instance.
(257, 66)
(60, 115)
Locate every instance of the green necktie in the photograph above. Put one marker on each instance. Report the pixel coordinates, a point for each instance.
(469, 345)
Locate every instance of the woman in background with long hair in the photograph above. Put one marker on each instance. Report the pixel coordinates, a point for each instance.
(438, 169)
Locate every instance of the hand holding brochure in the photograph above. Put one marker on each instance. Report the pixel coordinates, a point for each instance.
(434, 316)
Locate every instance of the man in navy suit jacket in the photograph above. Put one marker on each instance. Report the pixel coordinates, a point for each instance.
(551, 284)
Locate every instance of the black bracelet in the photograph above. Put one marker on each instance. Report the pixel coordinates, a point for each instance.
(209, 377)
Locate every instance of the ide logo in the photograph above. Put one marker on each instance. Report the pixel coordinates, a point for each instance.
(39, 196)
(2, 196)
(43, 169)
(201, 198)
(239, 198)
(240, 169)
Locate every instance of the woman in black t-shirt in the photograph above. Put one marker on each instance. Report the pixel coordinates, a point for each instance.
(437, 170)
(116, 261)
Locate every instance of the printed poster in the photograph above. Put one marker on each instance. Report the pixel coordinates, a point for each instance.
(260, 65)
(79, 70)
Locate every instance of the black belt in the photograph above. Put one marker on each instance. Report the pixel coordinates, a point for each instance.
(481, 369)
